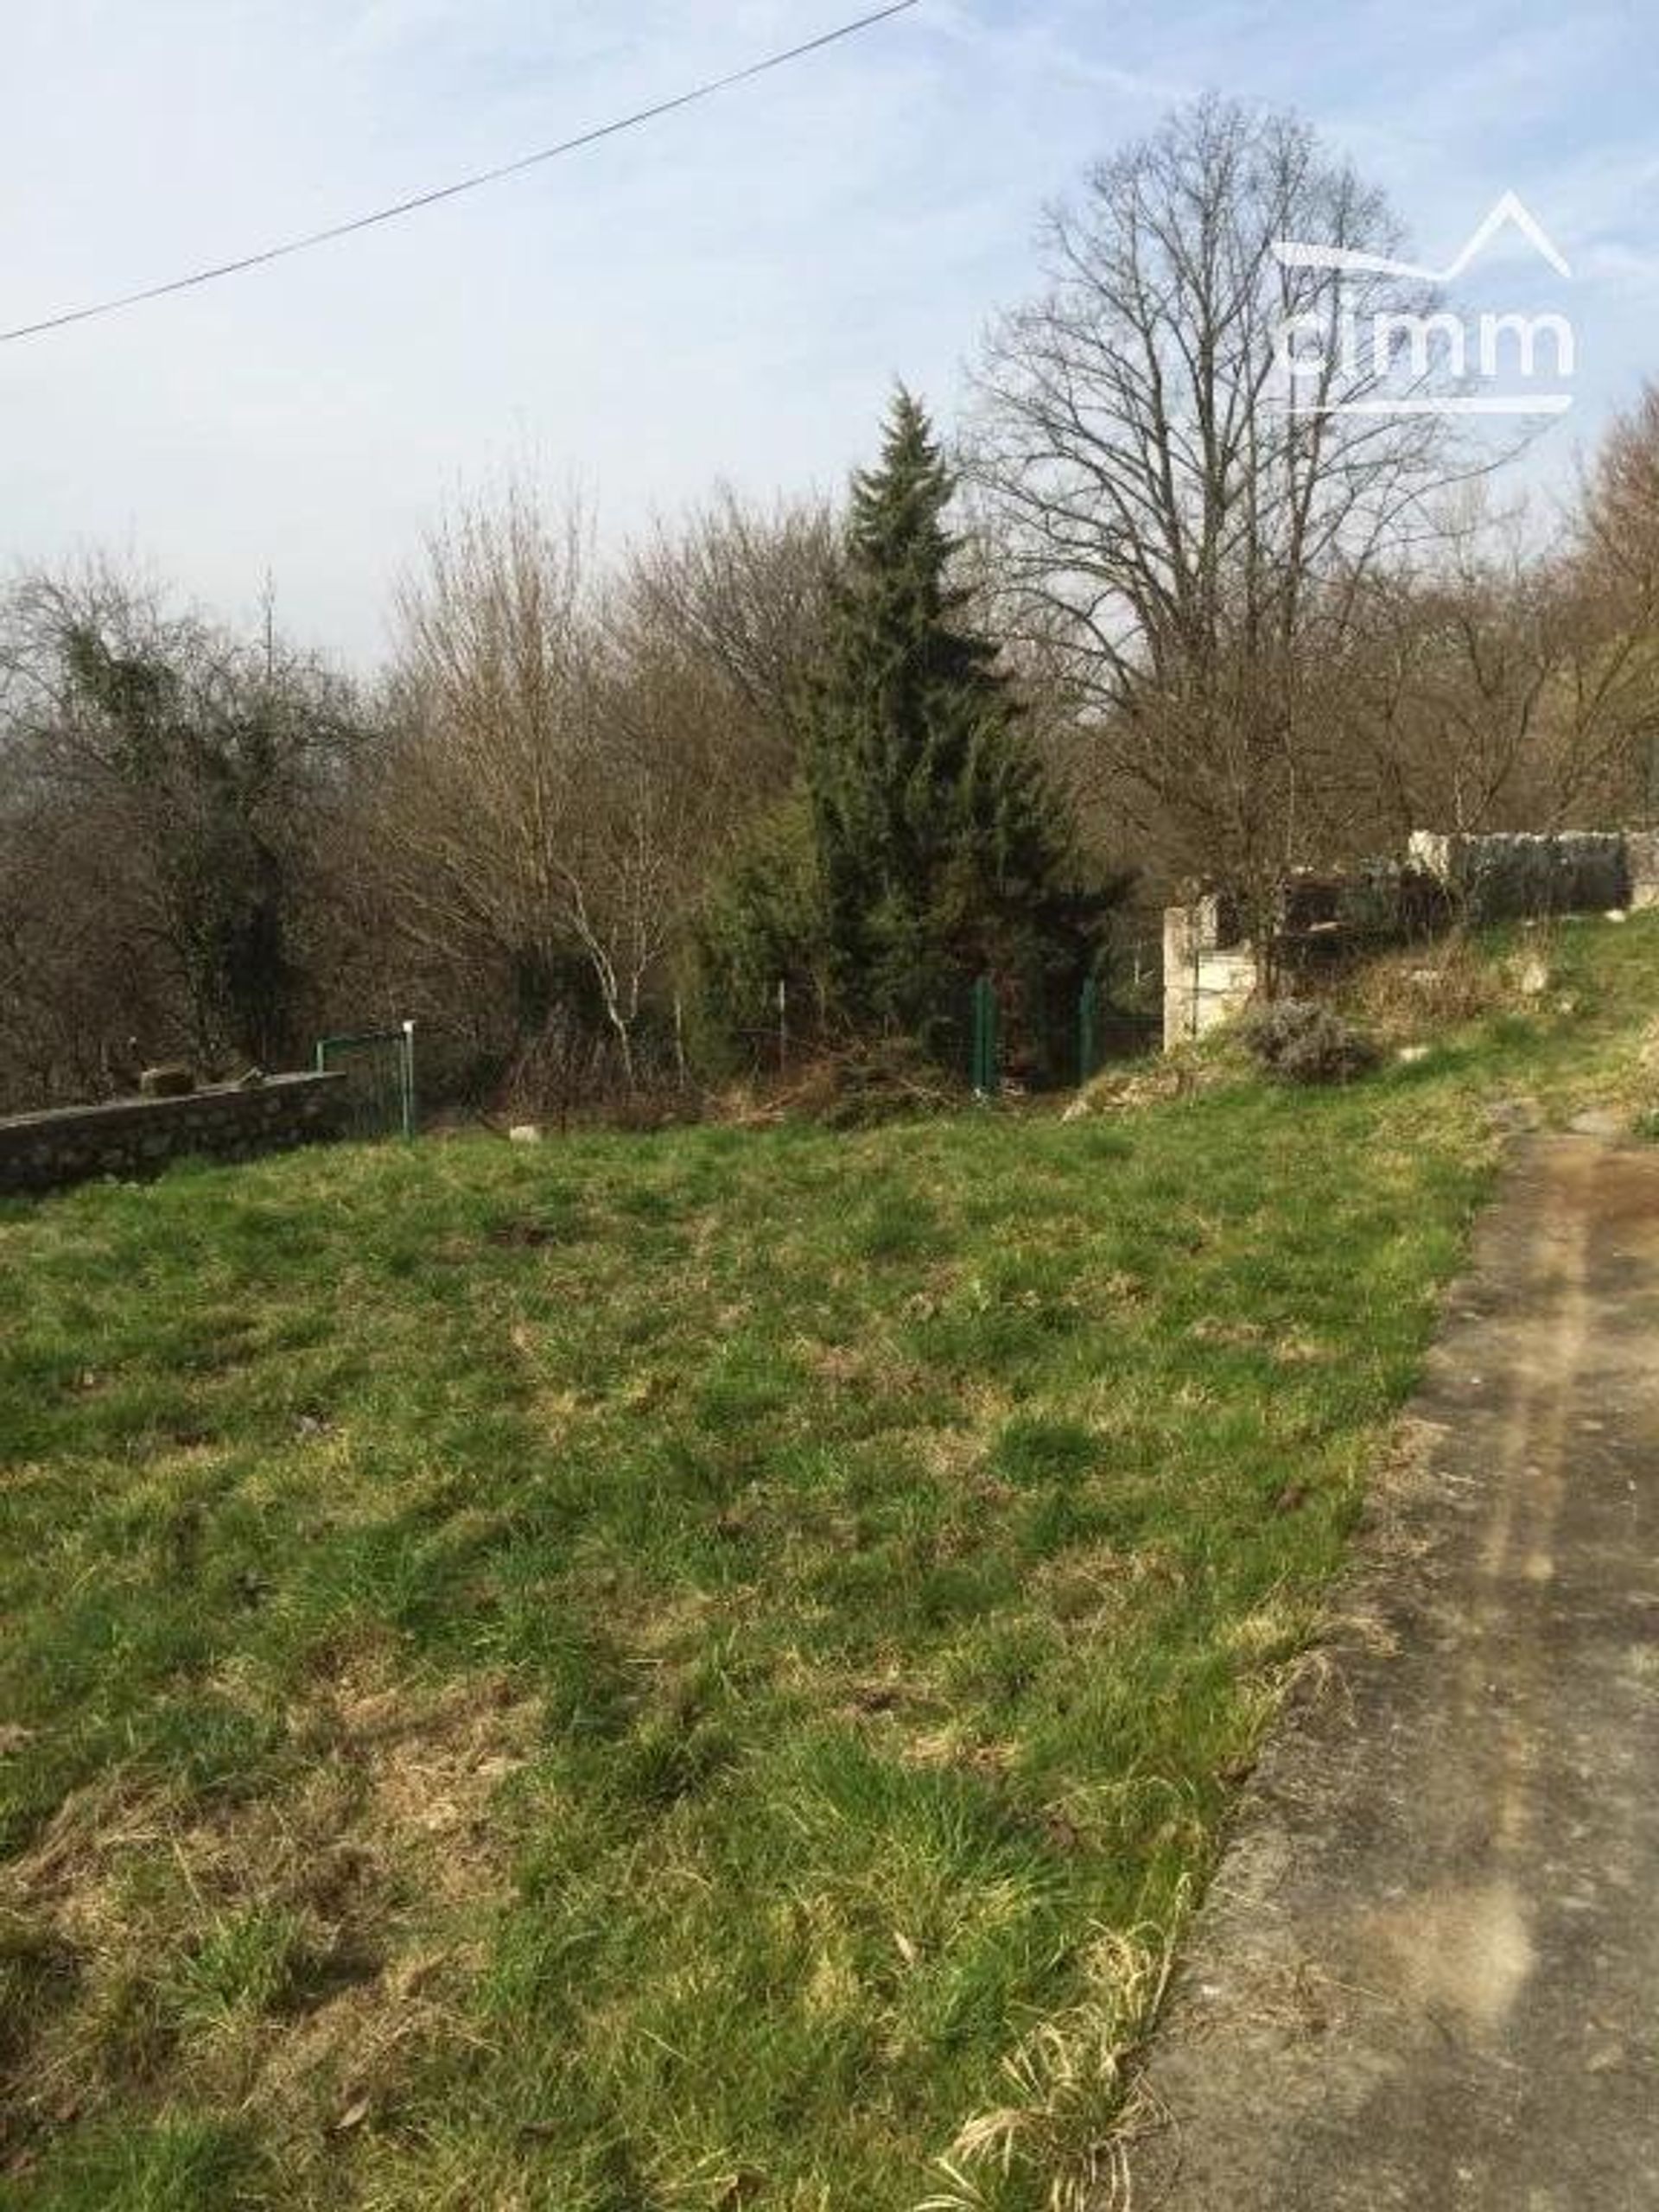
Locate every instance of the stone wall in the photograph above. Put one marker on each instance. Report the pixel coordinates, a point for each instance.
(1505, 877)
(135, 1137)
(1209, 974)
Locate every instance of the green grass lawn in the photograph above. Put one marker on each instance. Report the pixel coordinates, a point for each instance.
(678, 1672)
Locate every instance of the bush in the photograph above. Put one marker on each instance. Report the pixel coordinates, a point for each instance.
(859, 1086)
(1303, 1040)
(761, 924)
(875, 1080)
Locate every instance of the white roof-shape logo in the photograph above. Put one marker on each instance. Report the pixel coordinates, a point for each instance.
(1507, 212)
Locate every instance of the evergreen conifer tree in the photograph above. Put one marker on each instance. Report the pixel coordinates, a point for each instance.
(942, 849)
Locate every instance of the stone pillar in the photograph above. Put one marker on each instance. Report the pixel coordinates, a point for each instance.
(1641, 866)
(1204, 981)
(1184, 938)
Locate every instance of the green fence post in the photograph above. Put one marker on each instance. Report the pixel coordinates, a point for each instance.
(1088, 1030)
(984, 1073)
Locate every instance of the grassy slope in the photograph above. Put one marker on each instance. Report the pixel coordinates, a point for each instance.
(638, 1674)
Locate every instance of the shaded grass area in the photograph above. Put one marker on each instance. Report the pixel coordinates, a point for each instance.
(675, 1672)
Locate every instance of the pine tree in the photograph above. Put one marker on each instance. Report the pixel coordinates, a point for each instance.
(942, 850)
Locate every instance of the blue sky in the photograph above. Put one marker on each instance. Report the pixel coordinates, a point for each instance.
(729, 292)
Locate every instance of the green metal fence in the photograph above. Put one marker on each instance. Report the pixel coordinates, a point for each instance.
(378, 1067)
(1084, 1035)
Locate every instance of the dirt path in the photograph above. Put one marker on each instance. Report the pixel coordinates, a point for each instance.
(1428, 1974)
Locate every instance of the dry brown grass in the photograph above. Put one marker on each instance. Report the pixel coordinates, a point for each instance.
(1182, 1072)
(858, 1087)
(1413, 996)
(299, 1949)
(1062, 2078)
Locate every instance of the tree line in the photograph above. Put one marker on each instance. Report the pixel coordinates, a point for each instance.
(780, 777)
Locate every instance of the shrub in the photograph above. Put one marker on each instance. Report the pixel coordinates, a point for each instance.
(1303, 1040)
(761, 924)
(1426, 989)
(870, 1081)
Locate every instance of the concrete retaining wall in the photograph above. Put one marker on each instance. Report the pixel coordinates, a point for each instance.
(135, 1137)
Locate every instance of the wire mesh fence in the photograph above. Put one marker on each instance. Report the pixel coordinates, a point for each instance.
(992, 1037)
(378, 1087)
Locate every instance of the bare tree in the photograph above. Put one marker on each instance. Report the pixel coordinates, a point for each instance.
(564, 774)
(1618, 522)
(1496, 688)
(491, 689)
(1614, 567)
(742, 592)
(1182, 444)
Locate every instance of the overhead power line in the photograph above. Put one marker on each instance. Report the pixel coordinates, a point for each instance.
(473, 183)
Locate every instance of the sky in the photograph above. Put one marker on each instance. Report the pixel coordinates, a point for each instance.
(728, 294)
